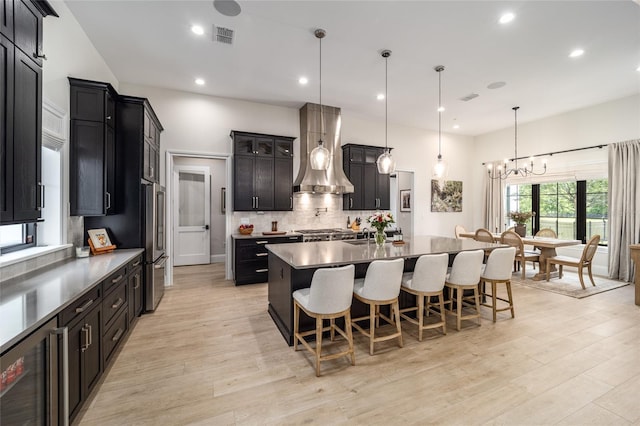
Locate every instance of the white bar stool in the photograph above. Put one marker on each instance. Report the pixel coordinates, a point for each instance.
(465, 275)
(498, 270)
(380, 286)
(329, 297)
(426, 280)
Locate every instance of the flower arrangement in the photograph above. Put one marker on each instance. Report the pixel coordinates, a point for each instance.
(520, 218)
(380, 220)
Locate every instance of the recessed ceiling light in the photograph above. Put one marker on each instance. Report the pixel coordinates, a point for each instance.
(456, 126)
(575, 53)
(380, 96)
(303, 80)
(496, 85)
(440, 108)
(507, 17)
(199, 81)
(227, 7)
(197, 29)
(638, 69)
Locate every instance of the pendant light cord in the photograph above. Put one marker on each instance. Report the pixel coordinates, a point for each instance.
(515, 115)
(440, 114)
(386, 85)
(321, 115)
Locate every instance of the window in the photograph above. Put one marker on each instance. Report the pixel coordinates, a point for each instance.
(575, 210)
(48, 230)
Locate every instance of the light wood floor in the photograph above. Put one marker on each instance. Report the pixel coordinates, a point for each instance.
(211, 355)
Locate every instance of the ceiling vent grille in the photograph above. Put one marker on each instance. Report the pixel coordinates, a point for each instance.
(223, 35)
(469, 97)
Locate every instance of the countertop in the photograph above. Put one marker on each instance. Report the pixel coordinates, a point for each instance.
(30, 300)
(332, 253)
(256, 234)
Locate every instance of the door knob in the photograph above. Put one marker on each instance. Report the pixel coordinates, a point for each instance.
(206, 227)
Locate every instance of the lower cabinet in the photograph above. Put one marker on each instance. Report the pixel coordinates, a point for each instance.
(250, 256)
(85, 358)
(135, 293)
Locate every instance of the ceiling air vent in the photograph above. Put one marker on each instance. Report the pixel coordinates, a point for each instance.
(223, 35)
(469, 97)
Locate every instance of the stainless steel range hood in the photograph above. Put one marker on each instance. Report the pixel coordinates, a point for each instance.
(330, 181)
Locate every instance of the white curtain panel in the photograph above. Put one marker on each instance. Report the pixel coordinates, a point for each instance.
(493, 207)
(624, 207)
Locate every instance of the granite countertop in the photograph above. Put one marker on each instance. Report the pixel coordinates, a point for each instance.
(332, 253)
(30, 300)
(256, 234)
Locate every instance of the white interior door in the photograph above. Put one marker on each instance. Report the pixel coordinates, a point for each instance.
(192, 205)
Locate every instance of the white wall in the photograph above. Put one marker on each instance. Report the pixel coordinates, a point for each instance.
(70, 53)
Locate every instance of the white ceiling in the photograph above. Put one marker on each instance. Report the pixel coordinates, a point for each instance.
(150, 43)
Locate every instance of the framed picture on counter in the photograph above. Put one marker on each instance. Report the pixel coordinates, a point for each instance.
(405, 200)
(99, 238)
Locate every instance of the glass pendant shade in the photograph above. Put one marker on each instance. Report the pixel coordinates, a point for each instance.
(386, 163)
(320, 157)
(440, 169)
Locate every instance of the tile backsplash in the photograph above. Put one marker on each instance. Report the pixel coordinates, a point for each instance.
(310, 211)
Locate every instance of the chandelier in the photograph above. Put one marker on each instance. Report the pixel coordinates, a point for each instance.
(503, 172)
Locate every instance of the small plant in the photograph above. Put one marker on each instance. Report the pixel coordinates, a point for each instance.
(520, 218)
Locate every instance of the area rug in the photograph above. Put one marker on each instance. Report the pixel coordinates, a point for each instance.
(569, 285)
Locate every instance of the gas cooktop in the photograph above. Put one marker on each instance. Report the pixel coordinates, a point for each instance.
(311, 235)
(324, 231)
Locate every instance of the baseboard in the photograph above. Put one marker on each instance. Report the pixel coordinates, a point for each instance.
(218, 258)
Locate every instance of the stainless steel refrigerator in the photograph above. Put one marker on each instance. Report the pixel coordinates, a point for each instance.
(155, 259)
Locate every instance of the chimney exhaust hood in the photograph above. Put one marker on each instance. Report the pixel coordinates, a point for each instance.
(330, 181)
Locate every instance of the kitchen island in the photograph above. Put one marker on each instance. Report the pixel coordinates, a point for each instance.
(291, 266)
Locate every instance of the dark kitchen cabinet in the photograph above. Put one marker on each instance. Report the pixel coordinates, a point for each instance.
(250, 257)
(262, 172)
(85, 358)
(371, 189)
(93, 185)
(21, 191)
(151, 155)
(135, 291)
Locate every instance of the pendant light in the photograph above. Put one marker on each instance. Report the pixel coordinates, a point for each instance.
(386, 163)
(440, 168)
(320, 156)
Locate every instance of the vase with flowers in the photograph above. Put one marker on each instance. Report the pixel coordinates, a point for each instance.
(521, 219)
(380, 220)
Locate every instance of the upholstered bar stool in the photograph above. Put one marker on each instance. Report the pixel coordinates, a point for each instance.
(380, 286)
(329, 297)
(498, 271)
(426, 280)
(465, 275)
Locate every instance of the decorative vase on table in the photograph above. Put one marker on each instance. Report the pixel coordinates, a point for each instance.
(380, 238)
(380, 221)
(521, 230)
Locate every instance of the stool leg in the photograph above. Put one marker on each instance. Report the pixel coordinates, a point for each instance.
(459, 308)
(476, 296)
(347, 326)
(378, 316)
(513, 315)
(332, 328)
(493, 299)
(296, 318)
(372, 327)
(396, 310)
(318, 344)
(442, 315)
(420, 315)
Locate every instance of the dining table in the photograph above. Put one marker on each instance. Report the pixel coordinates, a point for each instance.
(547, 247)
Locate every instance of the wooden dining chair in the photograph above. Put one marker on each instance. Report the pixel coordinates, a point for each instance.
(546, 233)
(585, 260)
(484, 235)
(460, 230)
(522, 256)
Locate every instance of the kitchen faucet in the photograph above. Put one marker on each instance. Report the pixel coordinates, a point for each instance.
(365, 232)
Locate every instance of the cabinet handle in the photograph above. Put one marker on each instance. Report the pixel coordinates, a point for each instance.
(108, 117)
(293, 238)
(262, 270)
(117, 304)
(108, 201)
(40, 204)
(350, 202)
(151, 171)
(39, 56)
(291, 202)
(262, 254)
(262, 242)
(257, 202)
(117, 336)
(115, 280)
(136, 264)
(90, 334)
(85, 306)
(84, 346)
(135, 287)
